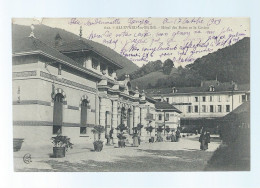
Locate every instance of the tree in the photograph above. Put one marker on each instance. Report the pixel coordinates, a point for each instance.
(167, 66)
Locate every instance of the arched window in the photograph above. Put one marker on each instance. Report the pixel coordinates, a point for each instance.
(83, 117)
(57, 114)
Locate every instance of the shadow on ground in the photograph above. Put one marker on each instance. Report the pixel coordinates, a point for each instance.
(230, 158)
(154, 160)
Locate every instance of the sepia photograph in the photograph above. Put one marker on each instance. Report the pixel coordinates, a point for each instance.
(119, 94)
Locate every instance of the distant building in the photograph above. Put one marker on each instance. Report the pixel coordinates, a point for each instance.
(209, 101)
(167, 115)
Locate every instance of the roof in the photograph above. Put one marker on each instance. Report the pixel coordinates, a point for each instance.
(32, 45)
(86, 45)
(74, 46)
(152, 100)
(166, 106)
(220, 87)
(240, 114)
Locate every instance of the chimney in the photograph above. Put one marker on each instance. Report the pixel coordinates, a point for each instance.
(127, 78)
(58, 40)
(174, 90)
(234, 86)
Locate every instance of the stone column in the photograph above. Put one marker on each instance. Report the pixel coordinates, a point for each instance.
(144, 134)
(153, 121)
(102, 112)
(136, 116)
(124, 121)
(115, 119)
(119, 116)
(143, 116)
(102, 115)
(131, 123)
(97, 111)
(114, 113)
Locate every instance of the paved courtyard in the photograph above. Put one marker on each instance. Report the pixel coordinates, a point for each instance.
(162, 156)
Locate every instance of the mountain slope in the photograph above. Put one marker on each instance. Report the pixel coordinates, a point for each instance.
(47, 35)
(151, 80)
(148, 80)
(231, 63)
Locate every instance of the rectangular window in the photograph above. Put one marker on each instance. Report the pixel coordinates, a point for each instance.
(227, 108)
(243, 98)
(219, 108)
(211, 108)
(203, 108)
(204, 99)
(219, 98)
(210, 98)
(196, 99)
(83, 130)
(167, 117)
(167, 99)
(189, 109)
(196, 109)
(160, 117)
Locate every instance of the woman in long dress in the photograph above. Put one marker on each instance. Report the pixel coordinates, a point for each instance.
(207, 141)
(173, 137)
(202, 141)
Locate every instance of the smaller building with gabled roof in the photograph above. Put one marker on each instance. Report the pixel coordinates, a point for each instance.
(167, 115)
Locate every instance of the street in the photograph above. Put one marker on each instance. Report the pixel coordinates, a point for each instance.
(184, 155)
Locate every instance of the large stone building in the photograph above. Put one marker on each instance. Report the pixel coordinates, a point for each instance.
(211, 100)
(69, 88)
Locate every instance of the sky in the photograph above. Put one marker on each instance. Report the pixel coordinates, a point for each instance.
(141, 40)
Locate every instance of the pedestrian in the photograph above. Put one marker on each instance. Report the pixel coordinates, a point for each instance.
(111, 135)
(202, 140)
(173, 136)
(207, 141)
(178, 135)
(201, 130)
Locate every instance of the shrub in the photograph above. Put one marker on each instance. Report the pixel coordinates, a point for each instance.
(62, 141)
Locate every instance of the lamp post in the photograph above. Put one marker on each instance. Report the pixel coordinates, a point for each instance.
(164, 123)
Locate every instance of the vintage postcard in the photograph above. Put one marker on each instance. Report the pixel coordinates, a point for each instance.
(131, 94)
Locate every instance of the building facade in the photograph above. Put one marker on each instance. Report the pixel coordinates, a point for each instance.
(68, 89)
(209, 101)
(167, 115)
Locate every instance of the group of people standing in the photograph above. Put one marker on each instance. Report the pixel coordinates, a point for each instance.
(204, 140)
(175, 136)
